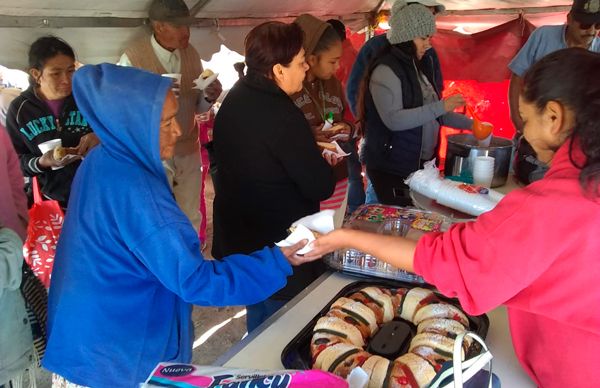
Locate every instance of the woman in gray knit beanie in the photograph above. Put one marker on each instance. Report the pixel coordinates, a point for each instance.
(400, 108)
(412, 22)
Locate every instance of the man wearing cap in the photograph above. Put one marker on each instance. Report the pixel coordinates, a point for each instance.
(166, 51)
(581, 30)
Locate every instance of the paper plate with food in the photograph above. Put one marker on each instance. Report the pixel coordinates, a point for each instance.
(65, 155)
(336, 131)
(333, 148)
(206, 78)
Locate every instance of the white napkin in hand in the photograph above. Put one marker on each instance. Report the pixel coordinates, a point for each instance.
(68, 158)
(321, 222)
(201, 83)
(327, 126)
(339, 136)
(300, 233)
(339, 152)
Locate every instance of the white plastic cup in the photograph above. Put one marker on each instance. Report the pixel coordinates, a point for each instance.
(49, 145)
(482, 179)
(483, 171)
(176, 77)
(485, 143)
(483, 163)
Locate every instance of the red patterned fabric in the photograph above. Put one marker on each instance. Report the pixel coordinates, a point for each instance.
(337, 198)
(45, 223)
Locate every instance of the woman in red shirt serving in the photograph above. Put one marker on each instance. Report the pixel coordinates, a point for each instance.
(537, 251)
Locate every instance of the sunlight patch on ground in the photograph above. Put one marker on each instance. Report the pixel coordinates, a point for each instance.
(205, 336)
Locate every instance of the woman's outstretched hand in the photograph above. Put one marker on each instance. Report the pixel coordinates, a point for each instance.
(293, 258)
(326, 244)
(397, 251)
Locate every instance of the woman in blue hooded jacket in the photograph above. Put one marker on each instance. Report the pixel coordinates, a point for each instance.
(128, 265)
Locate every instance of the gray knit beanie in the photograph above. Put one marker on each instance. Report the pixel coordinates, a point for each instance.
(408, 22)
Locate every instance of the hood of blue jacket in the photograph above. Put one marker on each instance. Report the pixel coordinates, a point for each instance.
(124, 105)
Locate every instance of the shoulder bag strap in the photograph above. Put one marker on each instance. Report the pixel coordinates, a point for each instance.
(37, 195)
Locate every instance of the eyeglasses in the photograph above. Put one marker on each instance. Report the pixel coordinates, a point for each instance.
(587, 26)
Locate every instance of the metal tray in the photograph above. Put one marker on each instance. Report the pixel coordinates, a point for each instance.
(296, 354)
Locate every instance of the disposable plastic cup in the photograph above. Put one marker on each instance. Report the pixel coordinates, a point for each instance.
(483, 164)
(49, 145)
(176, 77)
(484, 171)
(481, 161)
(483, 179)
(485, 143)
(455, 198)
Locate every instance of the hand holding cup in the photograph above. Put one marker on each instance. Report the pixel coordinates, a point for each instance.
(176, 77)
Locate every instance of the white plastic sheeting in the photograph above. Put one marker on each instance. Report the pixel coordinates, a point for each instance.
(231, 19)
(213, 9)
(239, 8)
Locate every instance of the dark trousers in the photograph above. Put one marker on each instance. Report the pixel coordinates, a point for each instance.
(259, 312)
(356, 188)
(390, 188)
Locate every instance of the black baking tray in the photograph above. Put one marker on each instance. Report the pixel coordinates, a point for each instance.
(296, 354)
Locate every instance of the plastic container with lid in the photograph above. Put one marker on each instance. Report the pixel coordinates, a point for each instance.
(391, 220)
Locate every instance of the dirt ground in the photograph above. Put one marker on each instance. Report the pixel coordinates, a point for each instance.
(227, 324)
(216, 329)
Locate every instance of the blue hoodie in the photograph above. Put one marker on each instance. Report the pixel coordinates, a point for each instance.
(128, 263)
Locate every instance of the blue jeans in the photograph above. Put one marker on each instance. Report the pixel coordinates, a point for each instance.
(259, 312)
(371, 197)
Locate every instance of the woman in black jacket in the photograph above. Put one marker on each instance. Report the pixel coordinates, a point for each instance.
(47, 111)
(270, 171)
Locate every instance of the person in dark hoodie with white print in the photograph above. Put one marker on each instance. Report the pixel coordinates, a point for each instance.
(128, 263)
(47, 111)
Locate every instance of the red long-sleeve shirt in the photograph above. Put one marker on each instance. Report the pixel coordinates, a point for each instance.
(538, 253)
